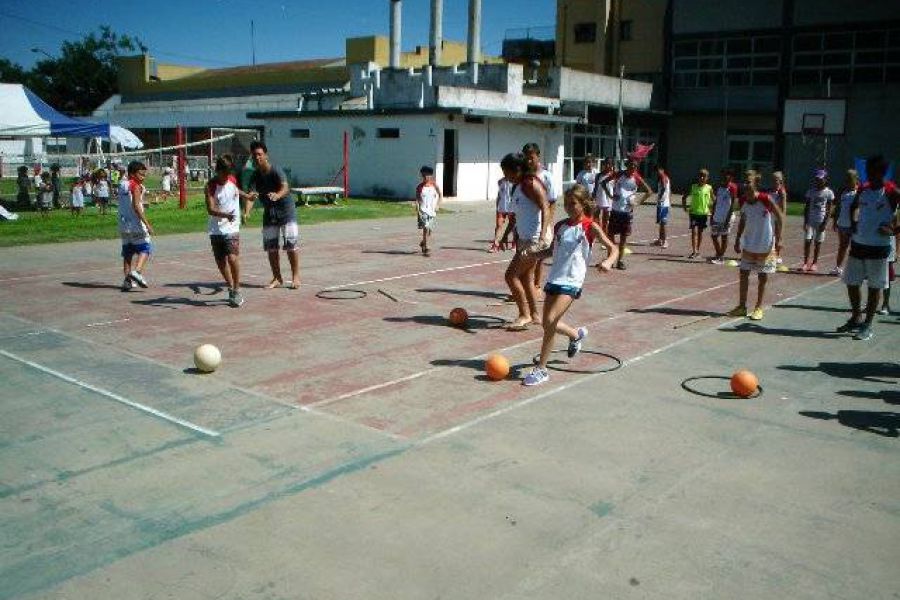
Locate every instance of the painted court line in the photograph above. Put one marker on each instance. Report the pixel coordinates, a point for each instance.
(102, 323)
(147, 409)
(420, 274)
(571, 384)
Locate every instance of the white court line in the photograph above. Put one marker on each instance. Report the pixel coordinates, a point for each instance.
(409, 275)
(566, 386)
(113, 396)
(405, 378)
(102, 323)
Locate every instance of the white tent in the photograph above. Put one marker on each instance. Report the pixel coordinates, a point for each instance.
(23, 114)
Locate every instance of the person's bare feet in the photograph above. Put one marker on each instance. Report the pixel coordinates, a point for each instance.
(535, 319)
(295, 284)
(276, 282)
(520, 324)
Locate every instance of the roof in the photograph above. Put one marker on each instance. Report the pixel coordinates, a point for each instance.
(277, 67)
(447, 110)
(24, 114)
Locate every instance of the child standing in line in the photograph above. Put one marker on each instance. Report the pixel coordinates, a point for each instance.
(841, 219)
(167, 176)
(722, 212)
(45, 194)
(758, 238)
(602, 199)
(780, 196)
(572, 239)
(23, 185)
(77, 198)
(532, 153)
(701, 200)
(88, 189)
(134, 228)
(428, 198)
(623, 188)
(663, 203)
(57, 186)
(223, 205)
(531, 224)
(588, 174)
(504, 212)
(874, 222)
(101, 190)
(818, 203)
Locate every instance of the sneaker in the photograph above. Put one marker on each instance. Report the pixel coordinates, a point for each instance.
(127, 285)
(692, 255)
(883, 311)
(865, 333)
(837, 271)
(849, 327)
(779, 260)
(738, 311)
(756, 315)
(620, 265)
(664, 245)
(235, 299)
(575, 345)
(536, 377)
(138, 279)
(717, 261)
(656, 243)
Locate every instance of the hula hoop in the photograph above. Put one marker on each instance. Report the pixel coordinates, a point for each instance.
(554, 365)
(729, 395)
(341, 294)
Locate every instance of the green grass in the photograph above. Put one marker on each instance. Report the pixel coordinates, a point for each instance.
(61, 226)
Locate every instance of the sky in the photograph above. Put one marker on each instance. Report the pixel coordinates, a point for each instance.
(216, 33)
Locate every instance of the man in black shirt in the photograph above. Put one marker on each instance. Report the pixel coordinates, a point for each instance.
(270, 185)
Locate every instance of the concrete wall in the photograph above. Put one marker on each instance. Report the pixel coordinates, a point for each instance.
(389, 167)
(706, 16)
(644, 53)
(578, 86)
(819, 12)
(589, 57)
(758, 98)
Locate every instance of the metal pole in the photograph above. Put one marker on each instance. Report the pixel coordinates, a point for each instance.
(182, 180)
(620, 122)
(346, 165)
(437, 36)
(474, 49)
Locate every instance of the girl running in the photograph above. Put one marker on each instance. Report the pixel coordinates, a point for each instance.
(572, 241)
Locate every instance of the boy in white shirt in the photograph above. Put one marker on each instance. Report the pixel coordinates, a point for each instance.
(724, 201)
(134, 228)
(819, 199)
(224, 224)
(428, 198)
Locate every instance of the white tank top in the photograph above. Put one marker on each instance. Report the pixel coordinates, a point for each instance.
(528, 217)
(131, 227)
(875, 210)
(571, 252)
(759, 234)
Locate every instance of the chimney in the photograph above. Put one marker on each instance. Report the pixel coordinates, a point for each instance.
(437, 37)
(396, 9)
(474, 52)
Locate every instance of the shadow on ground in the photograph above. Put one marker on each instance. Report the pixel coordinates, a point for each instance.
(881, 423)
(88, 285)
(473, 324)
(458, 292)
(875, 372)
(803, 333)
(888, 396)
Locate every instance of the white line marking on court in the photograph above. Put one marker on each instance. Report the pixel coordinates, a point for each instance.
(566, 386)
(112, 396)
(409, 275)
(102, 323)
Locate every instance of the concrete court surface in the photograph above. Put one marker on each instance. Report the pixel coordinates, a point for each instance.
(352, 449)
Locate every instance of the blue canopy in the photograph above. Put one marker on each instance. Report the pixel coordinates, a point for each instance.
(23, 114)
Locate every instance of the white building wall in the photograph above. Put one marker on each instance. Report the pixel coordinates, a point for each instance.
(390, 167)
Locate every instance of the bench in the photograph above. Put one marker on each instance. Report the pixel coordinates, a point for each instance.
(330, 193)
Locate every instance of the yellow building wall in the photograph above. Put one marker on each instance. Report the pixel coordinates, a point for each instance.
(589, 57)
(644, 52)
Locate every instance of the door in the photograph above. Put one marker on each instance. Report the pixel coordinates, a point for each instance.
(450, 142)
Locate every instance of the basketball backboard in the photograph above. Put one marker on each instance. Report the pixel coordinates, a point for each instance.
(815, 116)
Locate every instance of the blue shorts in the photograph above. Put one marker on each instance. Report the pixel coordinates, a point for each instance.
(662, 215)
(699, 221)
(129, 249)
(563, 290)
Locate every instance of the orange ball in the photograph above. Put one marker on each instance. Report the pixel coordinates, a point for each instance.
(496, 366)
(744, 383)
(458, 317)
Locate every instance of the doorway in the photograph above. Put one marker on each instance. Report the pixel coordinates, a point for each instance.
(450, 147)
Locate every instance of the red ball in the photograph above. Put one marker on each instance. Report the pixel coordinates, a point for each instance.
(458, 317)
(744, 383)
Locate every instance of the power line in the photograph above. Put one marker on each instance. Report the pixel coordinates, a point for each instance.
(81, 34)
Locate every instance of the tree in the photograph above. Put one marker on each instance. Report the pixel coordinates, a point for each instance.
(85, 74)
(11, 72)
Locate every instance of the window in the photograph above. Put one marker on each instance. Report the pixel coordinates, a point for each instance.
(736, 61)
(868, 56)
(389, 132)
(625, 31)
(751, 151)
(300, 133)
(585, 33)
(600, 140)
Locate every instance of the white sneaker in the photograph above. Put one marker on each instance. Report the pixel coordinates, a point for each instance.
(575, 345)
(837, 271)
(138, 279)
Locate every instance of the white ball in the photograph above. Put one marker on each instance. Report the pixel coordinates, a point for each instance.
(207, 358)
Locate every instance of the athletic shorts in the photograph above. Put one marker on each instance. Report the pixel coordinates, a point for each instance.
(129, 249)
(720, 229)
(426, 222)
(662, 215)
(562, 290)
(875, 270)
(763, 263)
(811, 232)
(289, 234)
(620, 222)
(699, 221)
(845, 231)
(102, 200)
(225, 245)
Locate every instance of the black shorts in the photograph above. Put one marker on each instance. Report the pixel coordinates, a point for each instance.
(225, 245)
(699, 221)
(620, 222)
